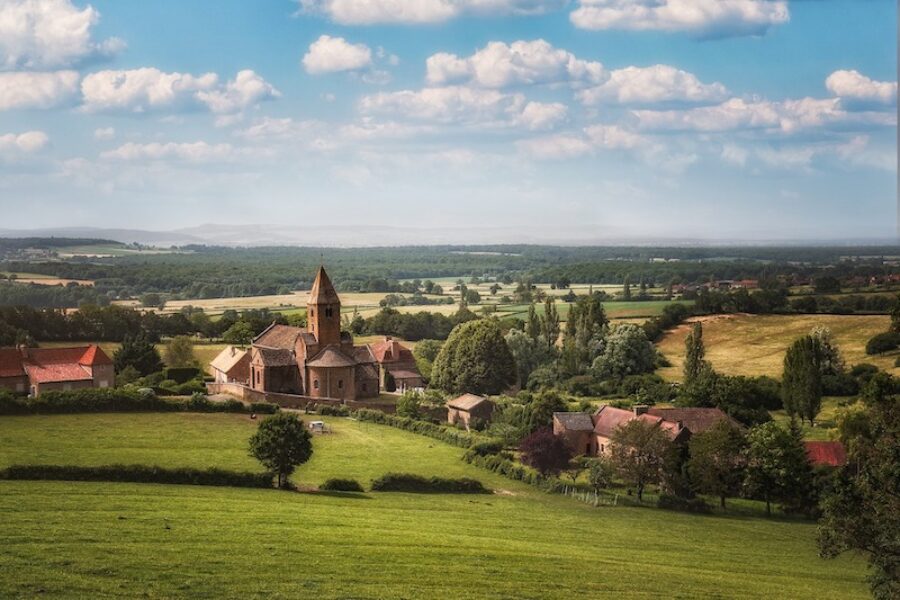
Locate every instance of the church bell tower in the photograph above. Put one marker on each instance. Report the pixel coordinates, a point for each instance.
(323, 311)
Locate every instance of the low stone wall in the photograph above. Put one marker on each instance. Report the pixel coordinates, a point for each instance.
(247, 394)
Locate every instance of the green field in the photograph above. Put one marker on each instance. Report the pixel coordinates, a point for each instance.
(105, 540)
(755, 344)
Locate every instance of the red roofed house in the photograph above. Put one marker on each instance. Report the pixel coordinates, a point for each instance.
(397, 359)
(319, 361)
(592, 434)
(37, 370)
(826, 454)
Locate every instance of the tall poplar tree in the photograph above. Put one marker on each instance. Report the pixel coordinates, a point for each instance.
(801, 382)
(694, 352)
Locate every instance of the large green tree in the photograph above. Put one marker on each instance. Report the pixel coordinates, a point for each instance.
(626, 351)
(694, 362)
(179, 352)
(863, 510)
(281, 444)
(475, 359)
(716, 460)
(585, 328)
(529, 353)
(801, 382)
(137, 352)
(550, 323)
(640, 451)
(777, 467)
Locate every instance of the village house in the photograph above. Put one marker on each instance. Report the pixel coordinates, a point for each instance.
(319, 361)
(467, 407)
(826, 454)
(37, 370)
(591, 434)
(232, 365)
(397, 360)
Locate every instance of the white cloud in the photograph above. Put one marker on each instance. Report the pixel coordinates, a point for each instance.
(499, 65)
(706, 18)
(23, 143)
(245, 90)
(788, 116)
(652, 85)
(464, 105)
(104, 133)
(854, 86)
(368, 12)
(37, 90)
(554, 147)
(149, 89)
(193, 152)
(590, 139)
(332, 54)
(47, 34)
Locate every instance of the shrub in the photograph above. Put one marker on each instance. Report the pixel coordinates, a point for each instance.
(883, 342)
(264, 408)
(486, 448)
(327, 410)
(341, 485)
(138, 474)
(181, 374)
(692, 505)
(406, 482)
(839, 385)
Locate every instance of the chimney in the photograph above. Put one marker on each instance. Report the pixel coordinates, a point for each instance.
(640, 409)
(387, 338)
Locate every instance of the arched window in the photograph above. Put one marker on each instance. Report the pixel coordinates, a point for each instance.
(316, 383)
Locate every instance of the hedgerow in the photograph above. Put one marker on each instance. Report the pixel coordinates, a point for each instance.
(138, 474)
(406, 482)
(341, 485)
(463, 439)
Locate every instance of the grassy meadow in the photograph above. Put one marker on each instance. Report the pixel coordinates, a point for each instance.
(756, 344)
(105, 540)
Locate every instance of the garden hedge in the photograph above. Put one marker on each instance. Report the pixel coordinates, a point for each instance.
(138, 474)
(406, 482)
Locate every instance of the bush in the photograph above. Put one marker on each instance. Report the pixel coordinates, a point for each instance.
(842, 384)
(327, 410)
(692, 505)
(181, 374)
(264, 408)
(138, 474)
(341, 485)
(883, 342)
(486, 448)
(406, 482)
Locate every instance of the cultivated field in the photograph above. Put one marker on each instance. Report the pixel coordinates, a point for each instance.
(104, 540)
(755, 344)
(39, 279)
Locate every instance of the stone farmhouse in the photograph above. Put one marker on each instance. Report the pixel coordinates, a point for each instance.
(231, 365)
(591, 434)
(397, 359)
(467, 407)
(320, 361)
(37, 370)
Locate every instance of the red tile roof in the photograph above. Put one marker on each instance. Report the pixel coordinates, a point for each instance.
(608, 418)
(51, 364)
(278, 336)
(391, 350)
(697, 420)
(11, 363)
(57, 372)
(827, 454)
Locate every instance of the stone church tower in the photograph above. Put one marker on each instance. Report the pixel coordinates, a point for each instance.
(323, 311)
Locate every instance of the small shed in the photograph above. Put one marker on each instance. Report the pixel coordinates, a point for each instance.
(467, 407)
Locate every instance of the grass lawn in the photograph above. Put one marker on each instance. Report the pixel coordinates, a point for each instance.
(826, 425)
(755, 344)
(104, 540)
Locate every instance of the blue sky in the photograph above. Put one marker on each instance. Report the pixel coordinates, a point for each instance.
(709, 119)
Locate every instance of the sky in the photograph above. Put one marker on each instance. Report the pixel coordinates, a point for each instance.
(637, 119)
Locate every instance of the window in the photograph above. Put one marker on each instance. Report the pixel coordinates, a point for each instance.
(316, 383)
(328, 311)
(340, 383)
(312, 312)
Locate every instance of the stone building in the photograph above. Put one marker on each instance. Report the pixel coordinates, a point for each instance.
(396, 359)
(37, 370)
(467, 407)
(231, 365)
(319, 361)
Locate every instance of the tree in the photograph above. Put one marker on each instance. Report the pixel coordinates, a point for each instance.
(475, 359)
(409, 404)
(830, 360)
(545, 452)
(281, 444)
(139, 353)
(639, 452)
(716, 460)
(694, 363)
(626, 351)
(529, 353)
(152, 300)
(895, 316)
(239, 334)
(863, 510)
(801, 382)
(532, 323)
(883, 342)
(179, 352)
(601, 474)
(541, 409)
(626, 288)
(577, 466)
(550, 323)
(585, 328)
(777, 467)
(425, 352)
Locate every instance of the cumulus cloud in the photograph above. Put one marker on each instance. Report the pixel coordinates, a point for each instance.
(47, 34)
(149, 89)
(653, 85)
(368, 12)
(332, 54)
(464, 105)
(37, 90)
(499, 65)
(788, 116)
(856, 87)
(587, 141)
(104, 133)
(193, 152)
(703, 18)
(23, 143)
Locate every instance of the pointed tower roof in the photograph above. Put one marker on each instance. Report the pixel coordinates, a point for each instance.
(323, 291)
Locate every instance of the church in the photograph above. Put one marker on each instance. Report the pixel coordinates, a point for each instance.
(319, 361)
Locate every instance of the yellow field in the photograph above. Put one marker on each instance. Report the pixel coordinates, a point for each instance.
(43, 279)
(755, 344)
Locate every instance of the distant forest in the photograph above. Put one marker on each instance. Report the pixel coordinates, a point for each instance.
(212, 272)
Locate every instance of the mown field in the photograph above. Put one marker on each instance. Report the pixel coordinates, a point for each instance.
(755, 344)
(105, 540)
